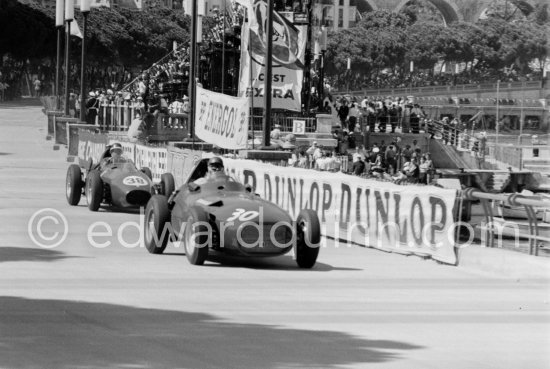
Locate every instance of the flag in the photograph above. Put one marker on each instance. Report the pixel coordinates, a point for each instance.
(75, 30)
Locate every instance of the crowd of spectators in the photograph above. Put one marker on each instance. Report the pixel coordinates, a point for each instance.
(389, 162)
(388, 79)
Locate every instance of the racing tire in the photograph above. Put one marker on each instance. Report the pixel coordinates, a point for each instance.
(94, 190)
(308, 238)
(157, 215)
(73, 184)
(196, 236)
(147, 172)
(167, 184)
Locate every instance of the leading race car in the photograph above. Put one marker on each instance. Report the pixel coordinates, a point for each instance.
(218, 214)
(113, 180)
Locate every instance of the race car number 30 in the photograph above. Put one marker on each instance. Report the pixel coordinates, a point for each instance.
(134, 181)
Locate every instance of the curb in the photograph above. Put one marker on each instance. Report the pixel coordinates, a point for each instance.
(507, 263)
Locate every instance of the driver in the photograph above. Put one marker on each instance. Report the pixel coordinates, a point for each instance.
(116, 156)
(215, 166)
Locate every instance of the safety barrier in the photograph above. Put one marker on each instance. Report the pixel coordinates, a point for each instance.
(393, 210)
(52, 114)
(493, 228)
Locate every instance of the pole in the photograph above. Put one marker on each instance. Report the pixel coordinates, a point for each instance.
(521, 116)
(308, 57)
(251, 87)
(321, 80)
(223, 46)
(67, 64)
(497, 112)
(58, 65)
(83, 70)
(268, 74)
(192, 70)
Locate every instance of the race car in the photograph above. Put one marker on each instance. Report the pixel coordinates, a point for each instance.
(113, 180)
(220, 215)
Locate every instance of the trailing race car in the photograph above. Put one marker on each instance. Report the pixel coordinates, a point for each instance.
(219, 214)
(113, 180)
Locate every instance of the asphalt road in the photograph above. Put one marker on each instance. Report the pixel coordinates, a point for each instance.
(113, 305)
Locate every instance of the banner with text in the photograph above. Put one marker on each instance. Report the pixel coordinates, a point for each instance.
(221, 119)
(405, 219)
(181, 162)
(289, 45)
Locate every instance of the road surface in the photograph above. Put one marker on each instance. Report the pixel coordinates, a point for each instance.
(101, 302)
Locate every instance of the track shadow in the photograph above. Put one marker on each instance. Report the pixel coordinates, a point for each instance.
(284, 262)
(69, 334)
(26, 254)
(5, 153)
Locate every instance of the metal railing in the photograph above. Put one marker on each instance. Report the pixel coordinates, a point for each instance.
(493, 228)
(462, 88)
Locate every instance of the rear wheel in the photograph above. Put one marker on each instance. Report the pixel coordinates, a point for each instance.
(73, 184)
(197, 236)
(157, 215)
(167, 184)
(94, 190)
(308, 234)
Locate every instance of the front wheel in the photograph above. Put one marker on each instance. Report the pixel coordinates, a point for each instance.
(308, 234)
(157, 216)
(167, 184)
(197, 236)
(94, 190)
(73, 184)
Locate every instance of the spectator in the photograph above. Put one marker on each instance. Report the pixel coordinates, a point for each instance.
(92, 107)
(390, 157)
(358, 167)
(412, 171)
(136, 128)
(276, 132)
(343, 112)
(37, 87)
(354, 114)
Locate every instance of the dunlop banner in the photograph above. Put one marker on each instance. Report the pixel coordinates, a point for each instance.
(289, 45)
(221, 119)
(405, 219)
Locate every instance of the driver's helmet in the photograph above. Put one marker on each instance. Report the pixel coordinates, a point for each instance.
(116, 148)
(215, 163)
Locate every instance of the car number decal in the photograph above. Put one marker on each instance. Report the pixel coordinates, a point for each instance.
(242, 215)
(134, 181)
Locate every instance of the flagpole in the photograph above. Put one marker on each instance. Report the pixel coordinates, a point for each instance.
(223, 45)
(58, 66)
(192, 70)
(268, 75)
(67, 64)
(497, 112)
(69, 15)
(85, 9)
(251, 86)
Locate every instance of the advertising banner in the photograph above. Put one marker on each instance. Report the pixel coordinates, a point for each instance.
(404, 219)
(221, 119)
(90, 146)
(289, 44)
(181, 162)
(154, 158)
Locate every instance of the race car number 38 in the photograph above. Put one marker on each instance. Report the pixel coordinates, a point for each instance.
(134, 181)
